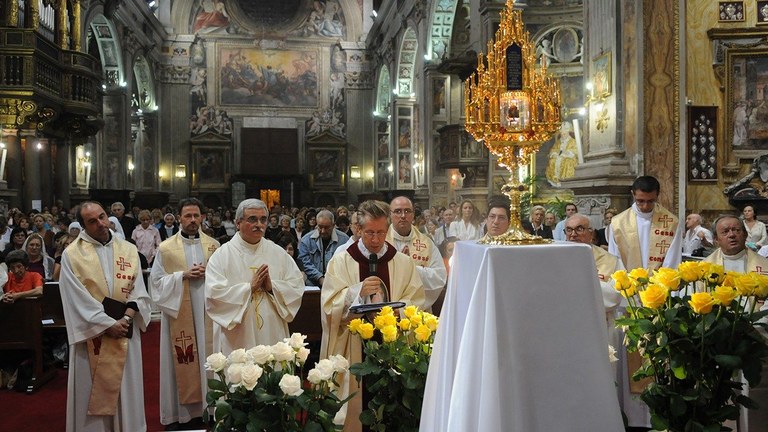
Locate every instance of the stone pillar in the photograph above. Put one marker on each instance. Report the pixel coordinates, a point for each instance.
(32, 185)
(61, 181)
(11, 178)
(360, 95)
(44, 157)
(76, 34)
(173, 125)
(62, 37)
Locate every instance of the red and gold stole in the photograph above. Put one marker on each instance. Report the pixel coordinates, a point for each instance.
(106, 355)
(418, 249)
(182, 328)
(663, 229)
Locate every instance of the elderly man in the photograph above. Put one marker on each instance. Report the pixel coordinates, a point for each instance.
(645, 235)
(355, 218)
(441, 233)
(178, 288)
(352, 280)
(422, 250)
(317, 247)
(578, 229)
(128, 223)
(103, 294)
(253, 289)
(734, 256)
(696, 236)
(559, 232)
(497, 221)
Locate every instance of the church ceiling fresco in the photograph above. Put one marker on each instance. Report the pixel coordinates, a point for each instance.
(300, 18)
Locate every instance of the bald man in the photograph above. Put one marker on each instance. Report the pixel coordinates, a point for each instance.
(696, 236)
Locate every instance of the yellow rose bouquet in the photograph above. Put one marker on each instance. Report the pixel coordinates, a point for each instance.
(695, 327)
(264, 389)
(394, 368)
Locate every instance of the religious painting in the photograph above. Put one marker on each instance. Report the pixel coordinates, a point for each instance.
(557, 158)
(404, 170)
(404, 133)
(438, 96)
(382, 139)
(602, 77)
(730, 11)
(274, 78)
(326, 166)
(746, 113)
(762, 13)
(702, 143)
(211, 16)
(324, 19)
(209, 168)
(383, 175)
(565, 44)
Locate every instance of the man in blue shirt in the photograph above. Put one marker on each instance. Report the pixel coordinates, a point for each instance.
(317, 247)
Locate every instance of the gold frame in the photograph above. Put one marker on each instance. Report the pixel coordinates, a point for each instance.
(728, 125)
(603, 62)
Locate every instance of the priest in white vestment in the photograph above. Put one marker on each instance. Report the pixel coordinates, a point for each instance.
(177, 286)
(649, 236)
(253, 288)
(419, 247)
(96, 266)
(734, 256)
(352, 280)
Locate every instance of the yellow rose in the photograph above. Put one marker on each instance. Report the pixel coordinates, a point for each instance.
(667, 277)
(382, 321)
(389, 333)
(690, 271)
(430, 321)
(701, 302)
(410, 311)
(654, 296)
(724, 295)
(415, 319)
(714, 273)
(624, 284)
(405, 324)
(354, 325)
(423, 333)
(639, 273)
(365, 330)
(729, 279)
(746, 284)
(387, 310)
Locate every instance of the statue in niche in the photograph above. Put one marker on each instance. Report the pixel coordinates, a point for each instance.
(198, 53)
(544, 52)
(563, 156)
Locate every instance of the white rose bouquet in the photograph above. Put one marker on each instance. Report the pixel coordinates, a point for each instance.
(263, 389)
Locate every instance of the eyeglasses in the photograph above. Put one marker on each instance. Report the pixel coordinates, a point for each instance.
(500, 218)
(400, 212)
(578, 230)
(372, 234)
(255, 219)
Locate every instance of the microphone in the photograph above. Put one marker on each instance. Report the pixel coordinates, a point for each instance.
(373, 263)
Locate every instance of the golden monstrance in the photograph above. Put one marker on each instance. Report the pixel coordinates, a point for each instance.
(513, 107)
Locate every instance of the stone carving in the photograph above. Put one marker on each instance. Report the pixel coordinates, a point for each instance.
(326, 120)
(174, 74)
(209, 118)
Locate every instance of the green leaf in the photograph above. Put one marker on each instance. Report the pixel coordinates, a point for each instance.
(217, 385)
(728, 361)
(368, 417)
(680, 372)
(312, 427)
(677, 406)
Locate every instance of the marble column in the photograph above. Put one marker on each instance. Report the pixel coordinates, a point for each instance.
(173, 124)
(43, 149)
(360, 96)
(32, 185)
(11, 180)
(61, 181)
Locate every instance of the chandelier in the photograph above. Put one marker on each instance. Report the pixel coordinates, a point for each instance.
(513, 107)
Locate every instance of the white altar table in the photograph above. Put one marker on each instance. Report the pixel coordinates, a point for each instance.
(522, 344)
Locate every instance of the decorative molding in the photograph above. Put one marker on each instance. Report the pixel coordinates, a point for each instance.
(359, 80)
(174, 74)
(14, 112)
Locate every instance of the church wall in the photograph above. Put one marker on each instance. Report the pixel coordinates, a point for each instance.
(704, 89)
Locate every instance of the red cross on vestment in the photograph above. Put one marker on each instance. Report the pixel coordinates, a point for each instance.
(663, 246)
(419, 245)
(122, 263)
(184, 354)
(666, 220)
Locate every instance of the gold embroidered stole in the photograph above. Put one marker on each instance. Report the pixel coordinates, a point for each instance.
(183, 336)
(605, 263)
(418, 249)
(106, 355)
(663, 229)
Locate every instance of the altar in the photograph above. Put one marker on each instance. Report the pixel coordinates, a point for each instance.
(522, 344)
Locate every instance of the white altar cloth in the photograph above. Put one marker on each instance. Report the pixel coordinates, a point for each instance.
(522, 344)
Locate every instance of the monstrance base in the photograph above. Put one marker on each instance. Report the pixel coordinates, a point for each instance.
(513, 237)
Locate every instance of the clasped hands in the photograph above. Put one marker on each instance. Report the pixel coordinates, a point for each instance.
(261, 280)
(197, 271)
(372, 287)
(119, 329)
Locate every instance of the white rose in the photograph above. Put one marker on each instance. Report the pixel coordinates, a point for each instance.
(234, 373)
(216, 362)
(237, 356)
(250, 374)
(612, 354)
(282, 352)
(314, 376)
(296, 341)
(325, 368)
(291, 385)
(260, 354)
(340, 364)
(301, 356)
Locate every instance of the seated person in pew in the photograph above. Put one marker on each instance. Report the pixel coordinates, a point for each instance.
(21, 283)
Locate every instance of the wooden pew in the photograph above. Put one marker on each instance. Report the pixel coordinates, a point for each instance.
(22, 329)
(53, 315)
(307, 320)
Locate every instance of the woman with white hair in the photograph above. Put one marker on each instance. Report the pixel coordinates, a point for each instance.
(536, 224)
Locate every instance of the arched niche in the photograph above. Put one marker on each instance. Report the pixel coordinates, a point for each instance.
(406, 63)
(102, 35)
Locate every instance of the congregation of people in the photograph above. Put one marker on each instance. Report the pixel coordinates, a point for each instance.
(224, 279)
